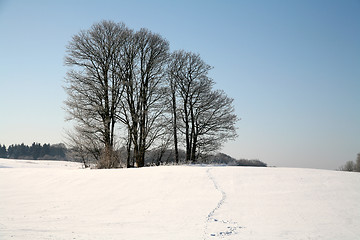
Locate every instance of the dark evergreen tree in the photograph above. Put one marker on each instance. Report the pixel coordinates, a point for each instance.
(3, 152)
(58, 151)
(23, 151)
(35, 150)
(10, 151)
(18, 151)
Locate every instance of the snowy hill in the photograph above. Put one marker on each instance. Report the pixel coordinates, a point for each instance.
(59, 200)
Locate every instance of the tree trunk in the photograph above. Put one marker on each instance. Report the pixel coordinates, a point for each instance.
(128, 164)
(193, 135)
(187, 132)
(175, 123)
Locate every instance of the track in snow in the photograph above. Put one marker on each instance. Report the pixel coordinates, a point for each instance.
(217, 227)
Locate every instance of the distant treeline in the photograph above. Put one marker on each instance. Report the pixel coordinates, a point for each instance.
(153, 157)
(35, 151)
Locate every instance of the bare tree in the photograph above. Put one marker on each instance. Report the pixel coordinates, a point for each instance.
(94, 84)
(207, 117)
(84, 147)
(186, 71)
(174, 67)
(214, 121)
(142, 105)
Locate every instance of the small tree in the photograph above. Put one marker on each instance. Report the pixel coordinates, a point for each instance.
(85, 147)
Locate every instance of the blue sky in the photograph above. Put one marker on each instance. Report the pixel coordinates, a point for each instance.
(293, 68)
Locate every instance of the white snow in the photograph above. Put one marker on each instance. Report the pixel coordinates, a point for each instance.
(60, 200)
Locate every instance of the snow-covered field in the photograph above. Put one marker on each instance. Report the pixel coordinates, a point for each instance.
(60, 200)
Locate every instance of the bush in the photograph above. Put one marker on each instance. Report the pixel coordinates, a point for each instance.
(352, 166)
(349, 166)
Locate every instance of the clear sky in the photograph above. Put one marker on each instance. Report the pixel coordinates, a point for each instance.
(293, 68)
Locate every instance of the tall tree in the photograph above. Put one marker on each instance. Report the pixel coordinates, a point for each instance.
(173, 103)
(144, 68)
(174, 67)
(187, 70)
(94, 85)
(207, 116)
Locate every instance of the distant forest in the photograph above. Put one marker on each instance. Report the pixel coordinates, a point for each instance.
(36, 151)
(153, 158)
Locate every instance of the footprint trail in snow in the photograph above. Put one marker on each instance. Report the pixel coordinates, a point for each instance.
(215, 227)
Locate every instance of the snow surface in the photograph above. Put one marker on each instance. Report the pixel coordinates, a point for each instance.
(60, 200)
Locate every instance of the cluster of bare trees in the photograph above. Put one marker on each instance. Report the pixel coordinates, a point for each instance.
(125, 87)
